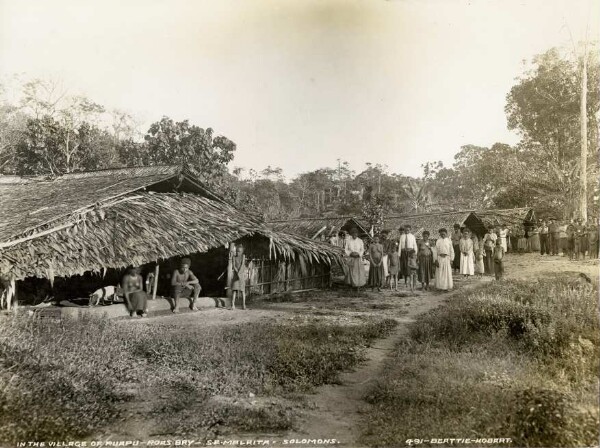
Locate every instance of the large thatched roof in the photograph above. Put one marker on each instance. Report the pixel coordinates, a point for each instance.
(124, 224)
(310, 227)
(509, 216)
(432, 222)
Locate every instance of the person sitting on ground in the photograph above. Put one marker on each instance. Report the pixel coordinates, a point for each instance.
(499, 260)
(184, 284)
(135, 297)
(238, 284)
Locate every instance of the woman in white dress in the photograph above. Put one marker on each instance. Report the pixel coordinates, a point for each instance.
(444, 258)
(467, 256)
(355, 275)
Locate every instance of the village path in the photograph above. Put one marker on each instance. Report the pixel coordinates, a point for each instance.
(335, 411)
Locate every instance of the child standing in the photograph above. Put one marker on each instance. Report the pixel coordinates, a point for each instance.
(425, 262)
(376, 271)
(413, 267)
(393, 265)
(499, 260)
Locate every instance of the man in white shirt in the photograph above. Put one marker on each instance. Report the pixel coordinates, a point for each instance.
(407, 242)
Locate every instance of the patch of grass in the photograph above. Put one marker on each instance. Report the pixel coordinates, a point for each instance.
(69, 379)
(510, 359)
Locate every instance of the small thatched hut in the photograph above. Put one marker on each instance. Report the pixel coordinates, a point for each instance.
(432, 222)
(315, 227)
(85, 225)
(511, 217)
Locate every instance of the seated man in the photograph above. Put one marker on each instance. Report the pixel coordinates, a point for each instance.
(184, 284)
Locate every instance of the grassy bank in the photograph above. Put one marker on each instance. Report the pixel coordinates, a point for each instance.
(69, 379)
(512, 360)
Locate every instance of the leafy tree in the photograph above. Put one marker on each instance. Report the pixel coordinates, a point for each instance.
(170, 142)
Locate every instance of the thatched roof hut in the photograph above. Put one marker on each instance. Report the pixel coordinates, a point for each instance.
(432, 222)
(512, 216)
(314, 227)
(115, 218)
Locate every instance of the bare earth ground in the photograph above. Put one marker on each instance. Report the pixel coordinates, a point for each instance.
(334, 411)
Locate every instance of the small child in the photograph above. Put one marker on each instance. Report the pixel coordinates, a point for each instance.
(479, 266)
(413, 267)
(393, 265)
(499, 260)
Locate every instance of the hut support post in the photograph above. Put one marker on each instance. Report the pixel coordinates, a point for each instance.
(228, 291)
(155, 285)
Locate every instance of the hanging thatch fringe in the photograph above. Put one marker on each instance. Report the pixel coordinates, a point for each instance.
(143, 228)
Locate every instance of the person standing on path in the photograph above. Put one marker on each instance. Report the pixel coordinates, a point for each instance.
(376, 271)
(562, 238)
(467, 256)
(408, 242)
(394, 265)
(238, 285)
(543, 231)
(553, 236)
(534, 238)
(456, 236)
(355, 250)
(425, 262)
(499, 260)
(445, 256)
(387, 248)
(489, 242)
(503, 236)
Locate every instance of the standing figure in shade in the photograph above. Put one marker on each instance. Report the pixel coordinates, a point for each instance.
(456, 236)
(445, 255)
(499, 260)
(413, 267)
(593, 241)
(521, 240)
(355, 250)
(489, 242)
(467, 257)
(387, 247)
(571, 241)
(544, 239)
(400, 232)
(136, 298)
(408, 242)
(394, 265)
(534, 238)
(478, 251)
(425, 262)
(583, 238)
(184, 284)
(562, 238)
(503, 236)
(553, 235)
(376, 272)
(238, 285)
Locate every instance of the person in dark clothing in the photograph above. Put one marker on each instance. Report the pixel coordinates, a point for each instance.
(543, 232)
(455, 238)
(553, 236)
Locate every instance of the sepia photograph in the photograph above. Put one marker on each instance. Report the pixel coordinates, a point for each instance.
(299, 223)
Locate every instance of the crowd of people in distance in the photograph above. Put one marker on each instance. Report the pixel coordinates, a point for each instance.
(424, 260)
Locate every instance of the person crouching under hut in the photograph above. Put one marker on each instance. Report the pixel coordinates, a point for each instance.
(355, 275)
(136, 298)
(184, 284)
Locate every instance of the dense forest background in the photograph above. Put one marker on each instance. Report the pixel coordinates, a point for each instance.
(46, 131)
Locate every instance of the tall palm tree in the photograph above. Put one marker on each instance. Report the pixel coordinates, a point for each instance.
(418, 194)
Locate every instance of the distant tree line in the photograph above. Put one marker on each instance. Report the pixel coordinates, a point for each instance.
(46, 131)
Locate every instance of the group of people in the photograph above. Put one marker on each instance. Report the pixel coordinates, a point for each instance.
(574, 239)
(421, 260)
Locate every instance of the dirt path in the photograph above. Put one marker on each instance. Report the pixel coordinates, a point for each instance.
(335, 411)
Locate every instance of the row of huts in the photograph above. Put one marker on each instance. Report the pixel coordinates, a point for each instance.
(477, 221)
(67, 236)
(64, 237)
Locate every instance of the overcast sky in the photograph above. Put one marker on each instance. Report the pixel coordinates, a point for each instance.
(299, 84)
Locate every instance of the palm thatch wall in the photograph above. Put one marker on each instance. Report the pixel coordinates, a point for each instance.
(432, 222)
